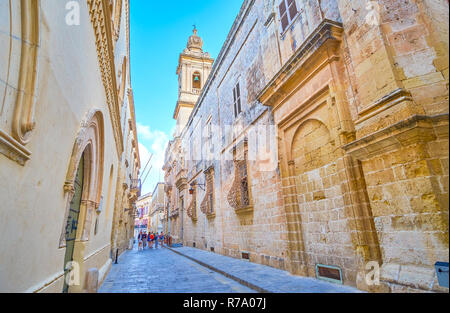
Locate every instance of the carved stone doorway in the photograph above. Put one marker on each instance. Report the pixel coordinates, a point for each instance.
(72, 223)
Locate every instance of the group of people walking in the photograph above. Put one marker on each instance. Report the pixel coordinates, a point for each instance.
(151, 240)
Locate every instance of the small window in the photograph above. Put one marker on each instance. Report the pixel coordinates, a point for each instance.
(196, 81)
(237, 100)
(288, 11)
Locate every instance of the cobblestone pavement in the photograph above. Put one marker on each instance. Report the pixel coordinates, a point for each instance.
(265, 277)
(163, 271)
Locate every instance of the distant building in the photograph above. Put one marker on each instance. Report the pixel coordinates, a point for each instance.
(143, 208)
(156, 214)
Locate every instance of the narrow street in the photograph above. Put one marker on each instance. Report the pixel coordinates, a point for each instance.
(163, 271)
(277, 147)
(191, 270)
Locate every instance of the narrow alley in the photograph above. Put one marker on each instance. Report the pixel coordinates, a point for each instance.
(190, 270)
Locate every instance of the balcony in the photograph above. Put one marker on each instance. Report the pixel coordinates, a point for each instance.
(180, 179)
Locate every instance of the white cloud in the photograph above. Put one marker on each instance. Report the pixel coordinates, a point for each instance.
(144, 155)
(152, 142)
(143, 131)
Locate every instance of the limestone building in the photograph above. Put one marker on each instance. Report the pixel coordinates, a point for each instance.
(68, 144)
(319, 143)
(143, 209)
(156, 214)
(194, 66)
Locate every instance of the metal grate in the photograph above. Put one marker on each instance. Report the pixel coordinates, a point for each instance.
(193, 244)
(329, 273)
(212, 249)
(246, 255)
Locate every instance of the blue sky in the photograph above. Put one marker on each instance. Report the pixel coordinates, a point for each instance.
(159, 33)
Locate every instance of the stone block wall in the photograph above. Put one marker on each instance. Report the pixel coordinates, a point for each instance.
(357, 95)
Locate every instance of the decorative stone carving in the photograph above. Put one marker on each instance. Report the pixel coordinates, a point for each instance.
(192, 208)
(17, 134)
(117, 19)
(23, 121)
(90, 143)
(239, 195)
(195, 42)
(100, 19)
(207, 206)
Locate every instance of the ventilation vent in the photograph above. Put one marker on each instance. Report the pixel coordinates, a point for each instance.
(329, 273)
(246, 255)
(212, 249)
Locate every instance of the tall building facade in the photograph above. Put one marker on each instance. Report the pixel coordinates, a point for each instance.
(319, 143)
(143, 209)
(194, 67)
(68, 145)
(156, 214)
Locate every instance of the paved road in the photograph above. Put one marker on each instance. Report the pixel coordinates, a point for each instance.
(163, 271)
(265, 277)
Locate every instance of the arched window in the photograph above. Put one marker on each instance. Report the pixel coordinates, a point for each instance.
(196, 81)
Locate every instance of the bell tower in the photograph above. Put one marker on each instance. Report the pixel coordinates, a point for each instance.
(193, 69)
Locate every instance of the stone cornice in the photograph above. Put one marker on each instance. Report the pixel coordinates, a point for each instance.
(181, 104)
(382, 104)
(200, 59)
(13, 149)
(416, 129)
(277, 89)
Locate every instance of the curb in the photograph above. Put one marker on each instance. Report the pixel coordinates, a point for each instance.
(235, 278)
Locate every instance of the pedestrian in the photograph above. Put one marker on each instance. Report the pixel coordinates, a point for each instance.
(152, 238)
(161, 237)
(139, 240)
(149, 241)
(156, 241)
(144, 240)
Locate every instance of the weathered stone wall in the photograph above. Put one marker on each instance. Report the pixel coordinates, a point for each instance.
(357, 95)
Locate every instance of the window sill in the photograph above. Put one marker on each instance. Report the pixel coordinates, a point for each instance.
(244, 210)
